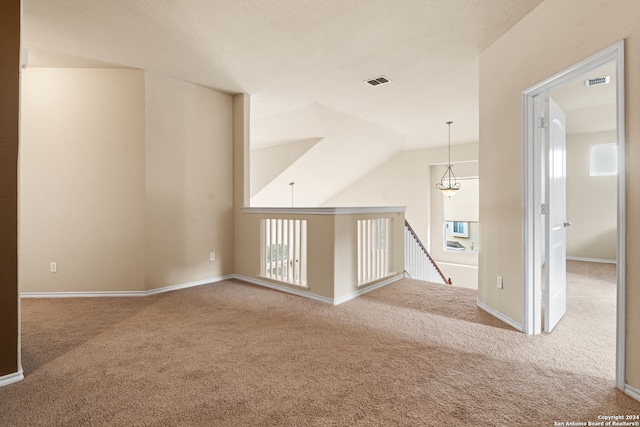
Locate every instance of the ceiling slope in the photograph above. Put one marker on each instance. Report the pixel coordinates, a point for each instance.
(269, 162)
(350, 149)
(288, 54)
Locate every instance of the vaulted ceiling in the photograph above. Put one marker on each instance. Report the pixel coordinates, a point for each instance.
(293, 54)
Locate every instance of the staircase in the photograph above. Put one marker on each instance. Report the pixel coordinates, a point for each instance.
(418, 264)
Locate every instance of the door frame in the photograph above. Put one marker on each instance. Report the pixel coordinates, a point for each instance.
(532, 180)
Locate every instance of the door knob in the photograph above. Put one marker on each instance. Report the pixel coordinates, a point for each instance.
(567, 224)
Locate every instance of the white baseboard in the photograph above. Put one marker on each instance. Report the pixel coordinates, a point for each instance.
(83, 294)
(282, 288)
(301, 292)
(499, 315)
(368, 289)
(95, 294)
(189, 284)
(633, 392)
(326, 300)
(11, 378)
(604, 261)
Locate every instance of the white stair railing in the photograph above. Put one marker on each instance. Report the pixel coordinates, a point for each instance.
(284, 250)
(374, 249)
(418, 264)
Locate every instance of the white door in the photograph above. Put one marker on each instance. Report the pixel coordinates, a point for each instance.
(555, 293)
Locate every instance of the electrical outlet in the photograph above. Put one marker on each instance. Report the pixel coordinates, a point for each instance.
(499, 282)
(212, 256)
(53, 267)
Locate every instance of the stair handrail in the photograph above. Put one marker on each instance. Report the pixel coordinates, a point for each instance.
(448, 281)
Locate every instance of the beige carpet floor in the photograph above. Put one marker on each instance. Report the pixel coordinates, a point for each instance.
(234, 354)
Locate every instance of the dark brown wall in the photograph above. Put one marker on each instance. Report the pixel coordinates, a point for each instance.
(9, 125)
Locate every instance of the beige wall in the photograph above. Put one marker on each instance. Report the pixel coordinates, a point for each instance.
(437, 218)
(404, 180)
(591, 201)
(554, 36)
(82, 180)
(242, 253)
(320, 250)
(125, 181)
(189, 193)
(464, 276)
(331, 250)
(408, 179)
(461, 267)
(346, 256)
(269, 162)
(9, 131)
(321, 245)
(362, 145)
(246, 231)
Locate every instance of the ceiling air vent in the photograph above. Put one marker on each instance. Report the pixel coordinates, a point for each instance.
(597, 81)
(377, 81)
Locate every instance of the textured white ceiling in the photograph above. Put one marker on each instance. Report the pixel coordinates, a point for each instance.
(589, 109)
(289, 54)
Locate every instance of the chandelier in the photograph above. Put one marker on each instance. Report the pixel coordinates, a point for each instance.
(448, 183)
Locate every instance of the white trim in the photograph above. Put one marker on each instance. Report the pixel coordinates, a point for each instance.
(499, 315)
(303, 287)
(453, 264)
(19, 195)
(621, 266)
(96, 294)
(307, 294)
(326, 211)
(531, 203)
(189, 284)
(83, 294)
(633, 392)
(286, 289)
(530, 220)
(20, 371)
(11, 378)
(302, 292)
(368, 289)
(602, 261)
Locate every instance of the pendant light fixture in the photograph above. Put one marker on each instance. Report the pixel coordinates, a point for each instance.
(448, 183)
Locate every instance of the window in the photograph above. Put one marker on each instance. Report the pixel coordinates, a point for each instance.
(461, 226)
(603, 159)
(460, 229)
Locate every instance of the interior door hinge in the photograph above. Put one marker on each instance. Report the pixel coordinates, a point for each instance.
(542, 123)
(544, 295)
(543, 209)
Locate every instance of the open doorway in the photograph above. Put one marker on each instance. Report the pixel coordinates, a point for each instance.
(534, 218)
(584, 113)
(589, 106)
